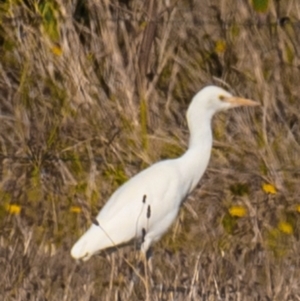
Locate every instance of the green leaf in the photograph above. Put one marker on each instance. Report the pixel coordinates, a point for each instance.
(289, 54)
(260, 6)
(117, 174)
(229, 223)
(49, 10)
(239, 189)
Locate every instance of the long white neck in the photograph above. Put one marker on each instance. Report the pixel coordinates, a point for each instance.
(195, 160)
(200, 130)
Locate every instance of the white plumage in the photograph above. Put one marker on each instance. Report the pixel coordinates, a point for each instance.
(145, 206)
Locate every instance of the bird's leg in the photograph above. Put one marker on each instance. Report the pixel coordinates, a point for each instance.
(111, 280)
(146, 250)
(149, 260)
(141, 273)
(146, 282)
(145, 256)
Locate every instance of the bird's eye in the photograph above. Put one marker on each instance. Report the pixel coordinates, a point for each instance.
(221, 97)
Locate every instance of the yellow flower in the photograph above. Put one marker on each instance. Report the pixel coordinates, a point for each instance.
(298, 208)
(285, 227)
(75, 209)
(143, 25)
(237, 211)
(57, 50)
(269, 188)
(220, 46)
(13, 209)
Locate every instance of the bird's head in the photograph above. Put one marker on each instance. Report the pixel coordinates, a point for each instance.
(209, 101)
(212, 99)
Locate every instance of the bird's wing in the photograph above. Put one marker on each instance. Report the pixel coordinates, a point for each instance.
(125, 216)
(126, 213)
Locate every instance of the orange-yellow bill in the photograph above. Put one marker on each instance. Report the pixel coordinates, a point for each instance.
(239, 101)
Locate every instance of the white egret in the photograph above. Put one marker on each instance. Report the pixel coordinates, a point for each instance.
(145, 206)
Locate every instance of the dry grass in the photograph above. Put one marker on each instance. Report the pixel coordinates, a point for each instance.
(91, 93)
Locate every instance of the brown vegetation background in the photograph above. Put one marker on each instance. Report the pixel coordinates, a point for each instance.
(91, 92)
